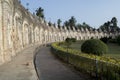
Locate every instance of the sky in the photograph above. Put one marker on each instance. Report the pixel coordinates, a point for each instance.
(93, 12)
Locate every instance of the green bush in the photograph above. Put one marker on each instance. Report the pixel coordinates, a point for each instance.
(73, 39)
(113, 40)
(68, 40)
(108, 68)
(94, 46)
(105, 39)
(118, 39)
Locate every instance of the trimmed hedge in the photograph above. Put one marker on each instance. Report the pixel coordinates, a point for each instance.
(108, 68)
(94, 46)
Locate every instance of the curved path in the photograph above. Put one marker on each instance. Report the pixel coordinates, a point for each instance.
(50, 68)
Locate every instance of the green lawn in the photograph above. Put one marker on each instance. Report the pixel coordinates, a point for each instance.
(113, 49)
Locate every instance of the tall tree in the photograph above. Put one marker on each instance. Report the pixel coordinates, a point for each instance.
(27, 4)
(114, 21)
(49, 23)
(110, 26)
(59, 22)
(86, 26)
(66, 23)
(72, 21)
(106, 26)
(40, 12)
(78, 25)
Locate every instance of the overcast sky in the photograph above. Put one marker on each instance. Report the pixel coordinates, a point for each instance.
(93, 12)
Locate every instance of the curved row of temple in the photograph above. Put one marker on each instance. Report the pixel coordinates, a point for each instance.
(20, 29)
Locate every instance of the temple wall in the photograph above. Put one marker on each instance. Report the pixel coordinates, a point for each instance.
(20, 29)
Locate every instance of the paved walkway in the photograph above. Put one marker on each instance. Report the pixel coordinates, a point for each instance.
(50, 68)
(20, 68)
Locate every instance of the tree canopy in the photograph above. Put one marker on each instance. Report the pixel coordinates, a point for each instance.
(114, 21)
(59, 22)
(40, 12)
(71, 22)
(110, 26)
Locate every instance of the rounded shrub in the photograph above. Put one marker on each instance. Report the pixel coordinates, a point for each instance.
(94, 46)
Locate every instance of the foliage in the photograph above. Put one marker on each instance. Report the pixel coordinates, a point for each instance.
(108, 68)
(73, 39)
(118, 40)
(91, 56)
(110, 26)
(105, 39)
(49, 23)
(66, 23)
(70, 23)
(115, 40)
(114, 21)
(94, 46)
(39, 12)
(84, 26)
(112, 40)
(68, 42)
(59, 22)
